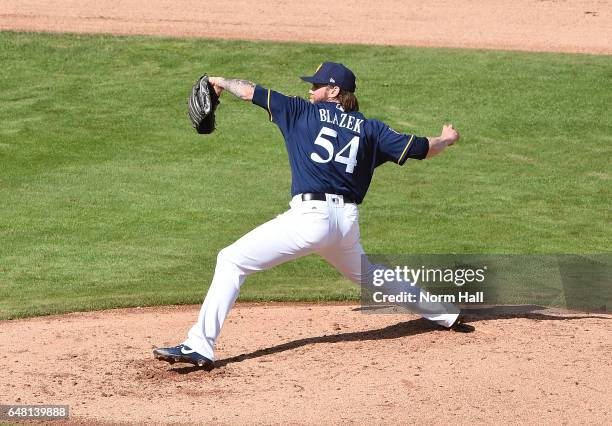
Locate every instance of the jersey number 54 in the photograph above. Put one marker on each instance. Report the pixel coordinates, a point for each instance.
(323, 141)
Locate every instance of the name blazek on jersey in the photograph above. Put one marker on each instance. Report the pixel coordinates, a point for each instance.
(335, 151)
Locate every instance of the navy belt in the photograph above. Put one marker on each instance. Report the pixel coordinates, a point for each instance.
(320, 196)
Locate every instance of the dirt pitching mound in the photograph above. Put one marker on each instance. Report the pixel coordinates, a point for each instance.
(314, 364)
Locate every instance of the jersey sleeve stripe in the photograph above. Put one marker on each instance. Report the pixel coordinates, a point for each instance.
(269, 110)
(399, 160)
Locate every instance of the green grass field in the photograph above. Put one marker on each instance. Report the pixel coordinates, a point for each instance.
(109, 198)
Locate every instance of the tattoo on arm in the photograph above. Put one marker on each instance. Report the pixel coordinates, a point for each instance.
(241, 88)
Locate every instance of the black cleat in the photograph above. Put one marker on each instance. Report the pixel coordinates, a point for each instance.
(182, 353)
(461, 327)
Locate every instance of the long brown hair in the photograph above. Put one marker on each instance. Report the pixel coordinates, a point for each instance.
(348, 100)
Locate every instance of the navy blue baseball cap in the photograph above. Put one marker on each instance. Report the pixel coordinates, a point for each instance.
(334, 74)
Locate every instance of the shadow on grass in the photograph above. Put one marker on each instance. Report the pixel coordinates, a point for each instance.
(408, 328)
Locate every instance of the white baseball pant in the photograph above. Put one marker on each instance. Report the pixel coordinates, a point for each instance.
(329, 228)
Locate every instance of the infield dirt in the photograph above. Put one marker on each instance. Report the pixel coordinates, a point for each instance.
(536, 25)
(331, 363)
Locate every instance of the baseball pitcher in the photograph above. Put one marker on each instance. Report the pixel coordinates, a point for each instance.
(333, 151)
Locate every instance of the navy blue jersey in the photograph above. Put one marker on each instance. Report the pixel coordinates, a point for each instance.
(332, 151)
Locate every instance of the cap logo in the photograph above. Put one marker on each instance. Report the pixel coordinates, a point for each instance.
(331, 80)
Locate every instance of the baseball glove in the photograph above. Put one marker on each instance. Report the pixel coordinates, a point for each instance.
(201, 106)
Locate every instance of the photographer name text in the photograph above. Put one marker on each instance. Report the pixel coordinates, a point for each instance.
(426, 297)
